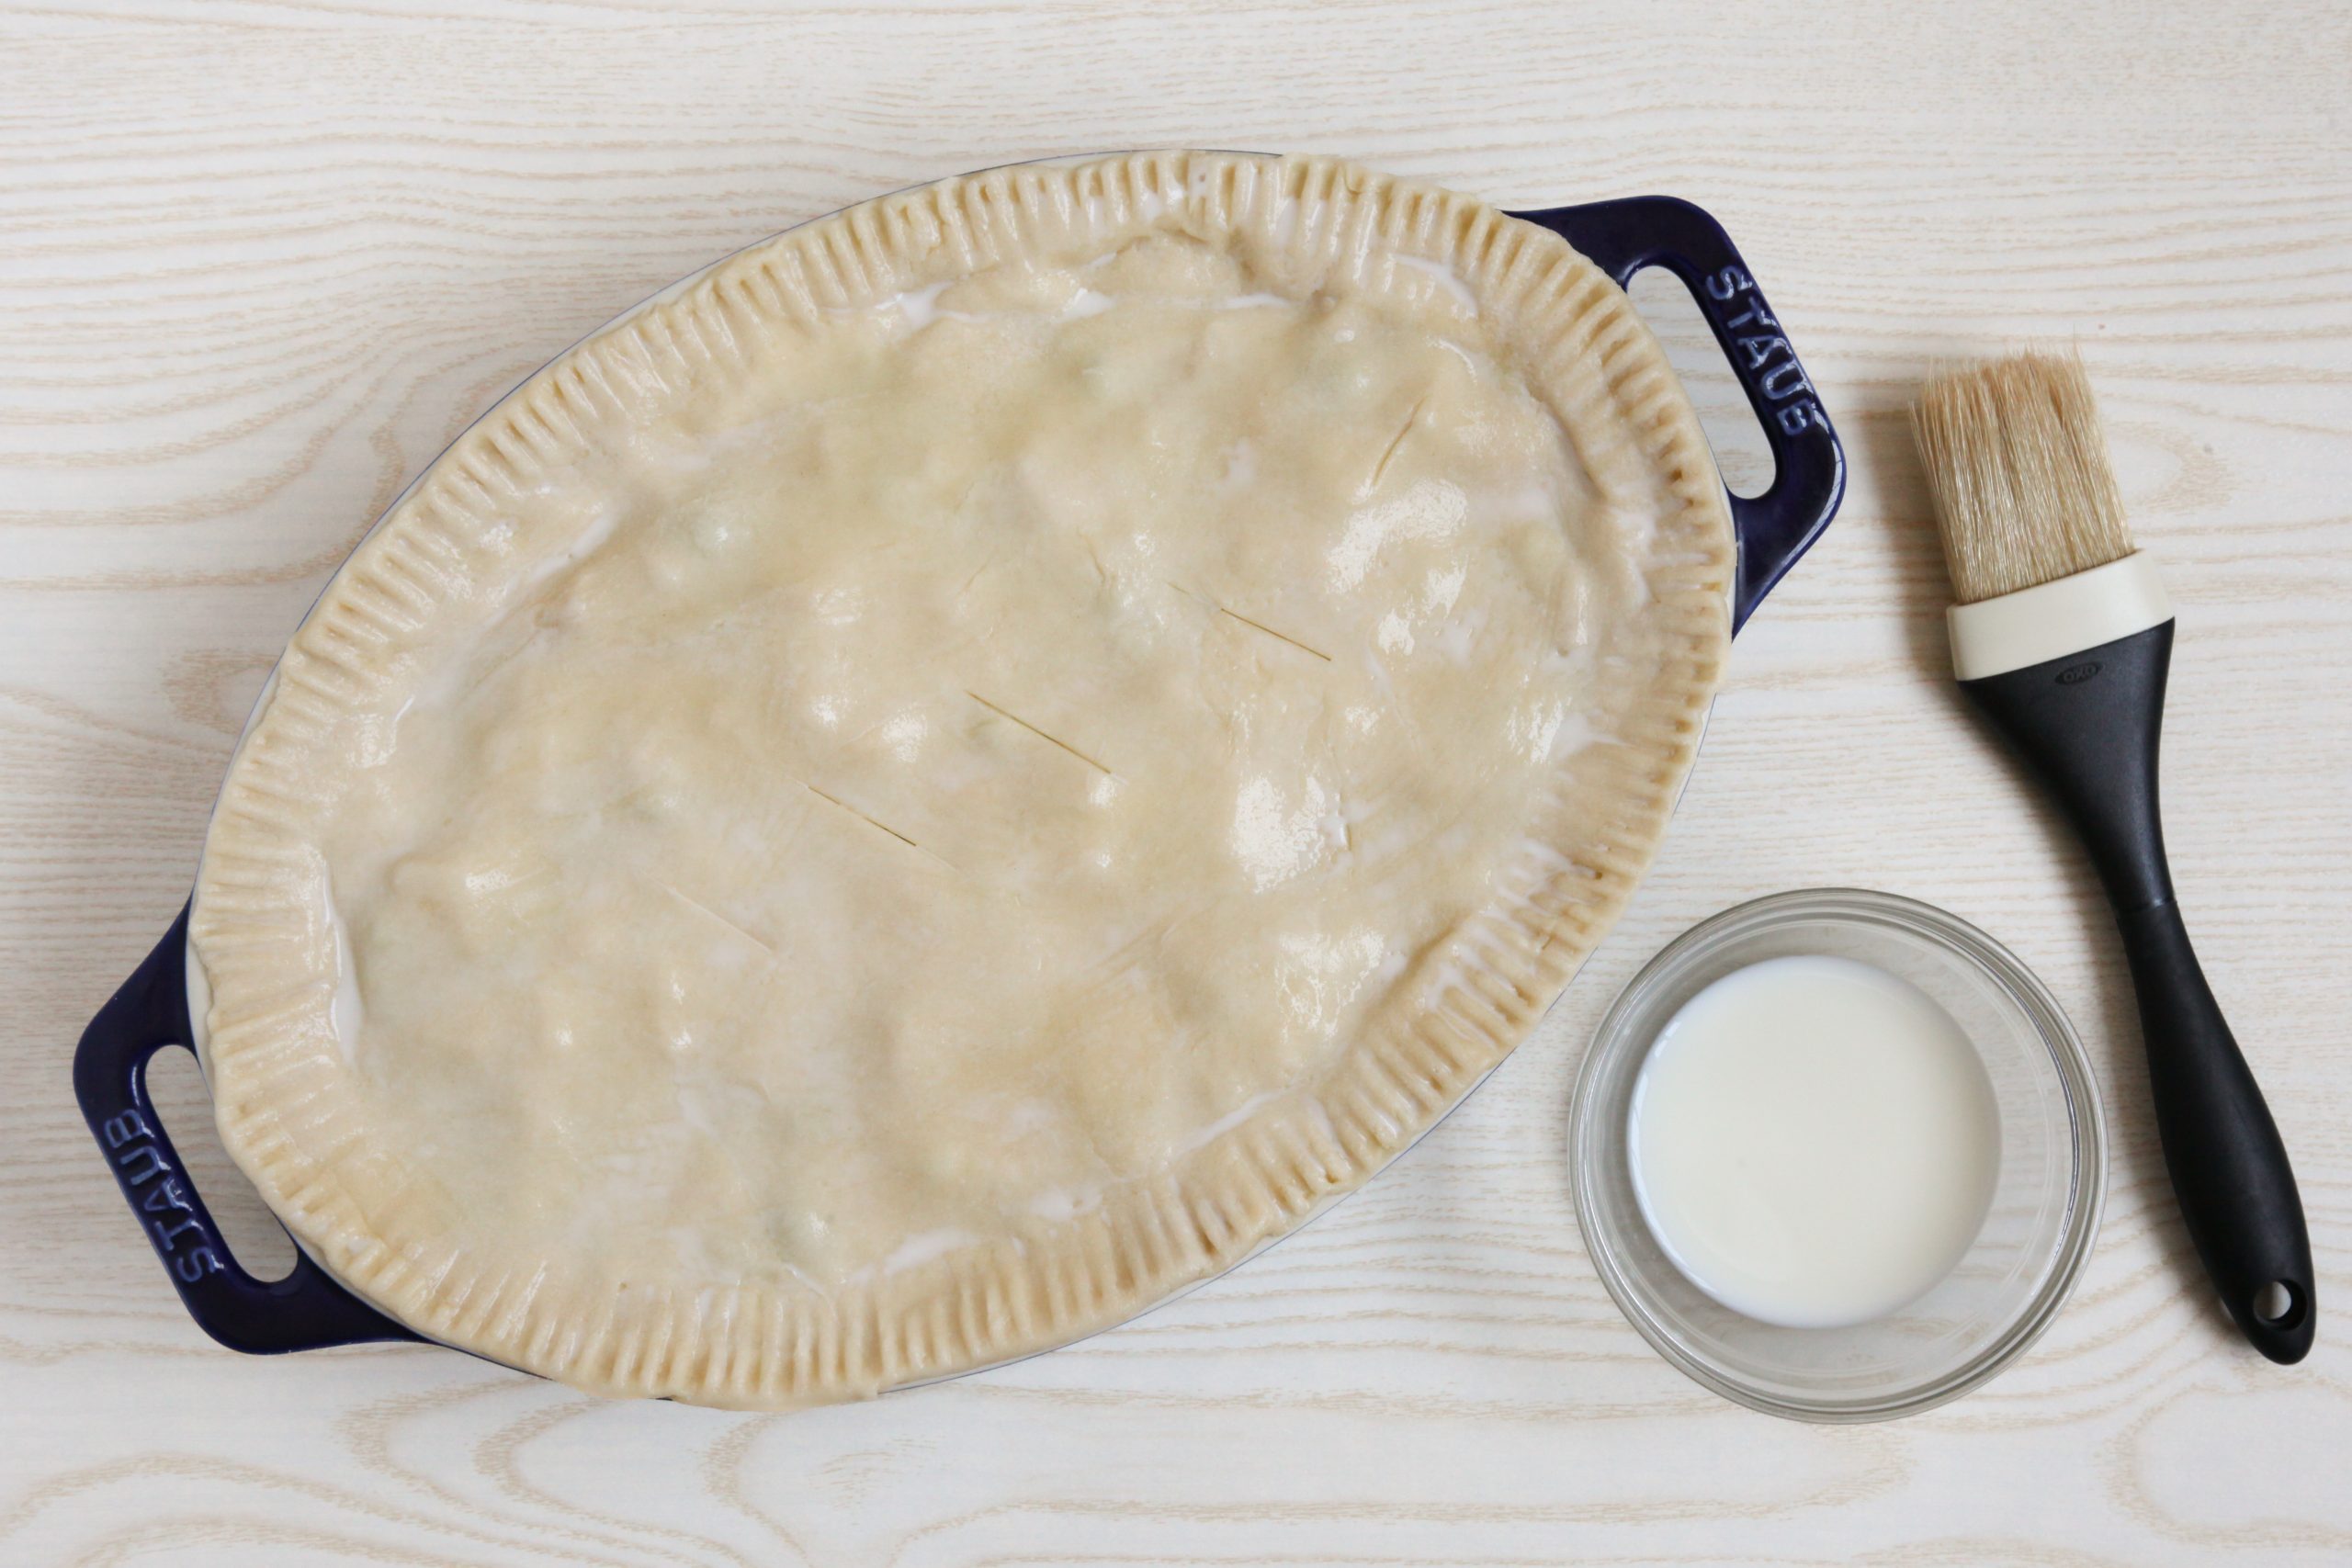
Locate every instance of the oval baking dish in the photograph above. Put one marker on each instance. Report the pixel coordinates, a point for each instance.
(166, 1001)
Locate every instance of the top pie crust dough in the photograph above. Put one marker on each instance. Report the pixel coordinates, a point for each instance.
(959, 774)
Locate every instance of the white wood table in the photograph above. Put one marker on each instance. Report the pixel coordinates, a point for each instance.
(258, 261)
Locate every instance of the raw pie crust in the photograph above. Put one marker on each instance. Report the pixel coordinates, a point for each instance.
(974, 765)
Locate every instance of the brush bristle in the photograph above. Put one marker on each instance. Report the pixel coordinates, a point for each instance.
(2016, 462)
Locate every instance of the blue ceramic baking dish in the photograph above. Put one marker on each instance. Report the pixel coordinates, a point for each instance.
(308, 1310)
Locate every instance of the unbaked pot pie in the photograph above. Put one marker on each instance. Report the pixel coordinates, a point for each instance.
(959, 774)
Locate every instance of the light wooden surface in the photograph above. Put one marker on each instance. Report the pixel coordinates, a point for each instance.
(259, 261)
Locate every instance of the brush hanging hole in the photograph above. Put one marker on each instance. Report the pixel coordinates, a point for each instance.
(2279, 1305)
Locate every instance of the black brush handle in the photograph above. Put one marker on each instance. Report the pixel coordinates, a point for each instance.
(2088, 724)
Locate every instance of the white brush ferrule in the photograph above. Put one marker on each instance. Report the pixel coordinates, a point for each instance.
(2051, 620)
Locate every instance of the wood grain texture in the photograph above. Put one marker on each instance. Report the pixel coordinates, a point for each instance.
(259, 262)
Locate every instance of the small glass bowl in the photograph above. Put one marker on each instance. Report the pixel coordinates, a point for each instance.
(2046, 1199)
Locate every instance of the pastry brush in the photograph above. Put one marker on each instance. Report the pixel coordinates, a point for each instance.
(2062, 637)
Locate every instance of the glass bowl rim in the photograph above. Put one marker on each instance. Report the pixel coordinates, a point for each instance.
(2085, 1140)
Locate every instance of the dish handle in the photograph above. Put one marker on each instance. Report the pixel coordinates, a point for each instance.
(306, 1309)
(1625, 236)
